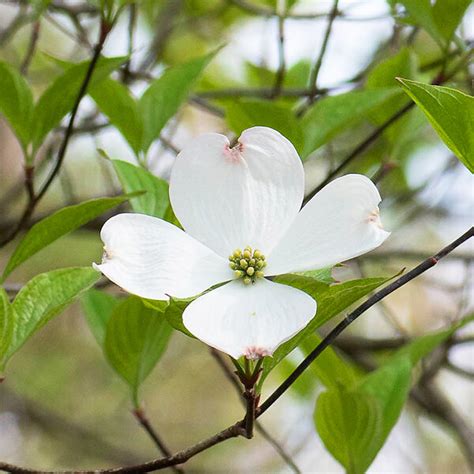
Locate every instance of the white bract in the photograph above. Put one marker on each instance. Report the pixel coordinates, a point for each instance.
(240, 209)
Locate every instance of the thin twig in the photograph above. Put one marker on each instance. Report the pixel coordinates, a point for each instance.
(132, 20)
(163, 29)
(359, 150)
(35, 29)
(228, 373)
(68, 430)
(20, 20)
(314, 74)
(258, 10)
(238, 428)
(349, 319)
(459, 370)
(259, 92)
(146, 425)
(437, 405)
(280, 74)
(412, 255)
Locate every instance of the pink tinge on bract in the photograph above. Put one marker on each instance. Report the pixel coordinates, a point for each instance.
(235, 152)
(374, 217)
(255, 353)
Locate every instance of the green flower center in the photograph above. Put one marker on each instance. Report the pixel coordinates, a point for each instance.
(247, 264)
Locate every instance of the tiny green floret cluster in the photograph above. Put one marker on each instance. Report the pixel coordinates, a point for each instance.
(247, 264)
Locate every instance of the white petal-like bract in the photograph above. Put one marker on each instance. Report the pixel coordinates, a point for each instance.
(229, 198)
(152, 258)
(340, 222)
(250, 320)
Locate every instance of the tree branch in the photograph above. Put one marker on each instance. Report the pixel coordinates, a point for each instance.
(146, 425)
(31, 48)
(227, 371)
(258, 10)
(238, 428)
(349, 319)
(280, 74)
(314, 74)
(359, 150)
(437, 405)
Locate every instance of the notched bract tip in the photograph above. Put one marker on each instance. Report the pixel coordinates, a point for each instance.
(374, 217)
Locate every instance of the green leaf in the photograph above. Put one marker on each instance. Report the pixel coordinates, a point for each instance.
(331, 301)
(6, 326)
(98, 307)
(58, 224)
(155, 201)
(385, 73)
(448, 14)
(389, 385)
(421, 14)
(451, 113)
(135, 339)
(423, 345)
(164, 96)
(349, 425)
(388, 388)
(43, 297)
(16, 102)
(324, 275)
(332, 115)
(59, 98)
(330, 368)
(244, 114)
(115, 101)
(174, 314)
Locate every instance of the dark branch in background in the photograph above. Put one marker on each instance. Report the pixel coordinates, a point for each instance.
(459, 370)
(63, 429)
(18, 21)
(163, 30)
(34, 198)
(280, 74)
(383, 255)
(78, 9)
(260, 92)
(314, 74)
(359, 150)
(31, 48)
(258, 10)
(437, 405)
(238, 429)
(132, 21)
(145, 423)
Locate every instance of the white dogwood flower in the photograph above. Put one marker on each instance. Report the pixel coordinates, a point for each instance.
(240, 209)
